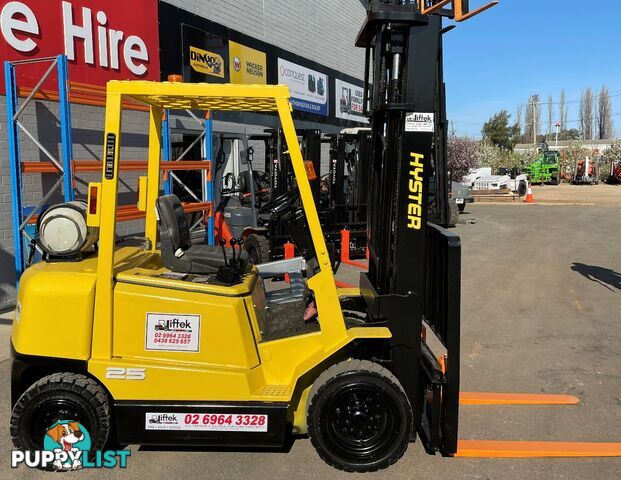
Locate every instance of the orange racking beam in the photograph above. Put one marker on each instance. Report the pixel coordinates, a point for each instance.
(81, 94)
(126, 166)
(125, 213)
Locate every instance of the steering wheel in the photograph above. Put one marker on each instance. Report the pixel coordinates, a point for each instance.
(282, 202)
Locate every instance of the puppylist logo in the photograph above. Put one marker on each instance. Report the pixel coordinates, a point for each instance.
(66, 446)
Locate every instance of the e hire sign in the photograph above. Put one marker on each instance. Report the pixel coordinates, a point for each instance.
(103, 39)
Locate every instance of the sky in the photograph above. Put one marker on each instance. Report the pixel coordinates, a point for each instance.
(519, 48)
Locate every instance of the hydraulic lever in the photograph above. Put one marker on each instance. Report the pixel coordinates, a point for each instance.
(233, 242)
(222, 246)
(230, 272)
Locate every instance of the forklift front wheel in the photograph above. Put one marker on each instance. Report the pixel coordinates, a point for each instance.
(359, 418)
(61, 397)
(258, 248)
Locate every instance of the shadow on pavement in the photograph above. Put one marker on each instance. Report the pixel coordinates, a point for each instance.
(604, 276)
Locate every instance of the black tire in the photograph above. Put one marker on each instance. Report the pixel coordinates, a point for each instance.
(522, 188)
(60, 396)
(556, 180)
(258, 248)
(462, 207)
(380, 424)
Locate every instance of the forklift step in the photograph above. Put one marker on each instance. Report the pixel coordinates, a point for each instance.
(272, 391)
(493, 398)
(520, 449)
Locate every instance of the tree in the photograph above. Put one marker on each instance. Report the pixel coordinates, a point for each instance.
(571, 134)
(498, 131)
(587, 114)
(562, 110)
(569, 156)
(533, 116)
(605, 128)
(518, 120)
(612, 153)
(461, 152)
(489, 155)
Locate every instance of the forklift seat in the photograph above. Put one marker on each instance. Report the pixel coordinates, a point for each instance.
(244, 186)
(178, 252)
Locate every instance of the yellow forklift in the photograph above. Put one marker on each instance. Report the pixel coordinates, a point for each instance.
(173, 343)
(119, 338)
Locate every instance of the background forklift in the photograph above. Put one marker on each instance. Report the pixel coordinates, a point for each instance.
(343, 202)
(242, 191)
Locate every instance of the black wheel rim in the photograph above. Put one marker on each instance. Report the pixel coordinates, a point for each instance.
(47, 412)
(361, 422)
(253, 256)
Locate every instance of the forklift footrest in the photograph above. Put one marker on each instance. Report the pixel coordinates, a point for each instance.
(518, 449)
(493, 398)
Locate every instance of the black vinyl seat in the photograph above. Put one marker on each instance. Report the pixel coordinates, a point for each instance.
(178, 252)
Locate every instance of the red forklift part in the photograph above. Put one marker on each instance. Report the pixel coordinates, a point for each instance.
(527, 449)
(222, 229)
(310, 170)
(289, 253)
(345, 252)
(493, 398)
(344, 285)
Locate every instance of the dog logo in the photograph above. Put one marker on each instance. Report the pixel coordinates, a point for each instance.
(71, 437)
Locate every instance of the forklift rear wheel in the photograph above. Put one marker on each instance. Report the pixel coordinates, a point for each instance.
(359, 418)
(522, 189)
(462, 207)
(258, 248)
(60, 397)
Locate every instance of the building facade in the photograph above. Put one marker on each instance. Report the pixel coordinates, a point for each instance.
(257, 41)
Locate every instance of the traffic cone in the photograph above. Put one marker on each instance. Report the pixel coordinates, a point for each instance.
(529, 196)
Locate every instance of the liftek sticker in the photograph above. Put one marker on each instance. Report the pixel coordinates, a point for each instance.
(206, 422)
(172, 332)
(420, 122)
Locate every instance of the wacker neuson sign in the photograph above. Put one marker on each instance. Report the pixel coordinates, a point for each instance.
(247, 65)
(103, 39)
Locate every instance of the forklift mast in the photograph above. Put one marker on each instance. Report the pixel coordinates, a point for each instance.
(413, 280)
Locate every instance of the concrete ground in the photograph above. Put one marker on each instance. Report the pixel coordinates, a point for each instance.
(541, 313)
(600, 195)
